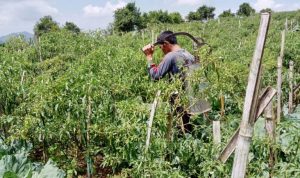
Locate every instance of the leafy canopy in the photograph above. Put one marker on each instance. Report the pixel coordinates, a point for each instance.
(44, 25)
(127, 18)
(245, 10)
(203, 13)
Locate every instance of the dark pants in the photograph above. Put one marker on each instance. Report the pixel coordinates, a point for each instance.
(181, 113)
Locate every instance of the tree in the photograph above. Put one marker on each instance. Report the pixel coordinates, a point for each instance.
(176, 17)
(266, 10)
(160, 16)
(227, 13)
(206, 12)
(72, 27)
(127, 18)
(44, 25)
(203, 13)
(245, 10)
(193, 16)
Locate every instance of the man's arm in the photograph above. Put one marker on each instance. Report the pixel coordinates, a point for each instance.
(157, 72)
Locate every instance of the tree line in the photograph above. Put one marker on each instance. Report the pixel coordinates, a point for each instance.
(129, 18)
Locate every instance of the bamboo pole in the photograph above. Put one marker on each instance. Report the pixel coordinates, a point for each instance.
(222, 98)
(279, 76)
(40, 49)
(22, 78)
(152, 36)
(150, 121)
(250, 104)
(270, 128)
(279, 91)
(88, 121)
(216, 132)
(263, 101)
(282, 44)
(291, 69)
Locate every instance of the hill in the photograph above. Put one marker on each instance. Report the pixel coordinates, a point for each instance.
(26, 35)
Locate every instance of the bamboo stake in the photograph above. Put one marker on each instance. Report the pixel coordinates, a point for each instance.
(270, 128)
(40, 50)
(250, 105)
(143, 36)
(279, 82)
(263, 101)
(279, 76)
(89, 114)
(152, 36)
(216, 132)
(22, 77)
(151, 120)
(222, 106)
(291, 63)
(282, 44)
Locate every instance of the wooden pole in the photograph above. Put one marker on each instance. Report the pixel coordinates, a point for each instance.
(222, 98)
(250, 104)
(22, 77)
(216, 132)
(279, 76)
(279, 91)
(282, 44)
(263, 101)
(143, 36)
(270, 128)
(152, 36)
(286, 24)
(150, 121)
(88, 121)
(40, 49)
(291, 63)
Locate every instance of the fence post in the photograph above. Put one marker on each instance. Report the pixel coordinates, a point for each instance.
(216, 132)
(291, 63)
(250, 104)
(263, 101)
(151, 120)
(270, 128)
(279, 76)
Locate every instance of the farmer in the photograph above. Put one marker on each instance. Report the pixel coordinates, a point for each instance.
(174, 61)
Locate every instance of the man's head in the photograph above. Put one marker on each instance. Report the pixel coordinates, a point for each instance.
(166, 40)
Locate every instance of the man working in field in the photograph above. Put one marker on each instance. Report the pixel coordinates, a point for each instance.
(174, 61)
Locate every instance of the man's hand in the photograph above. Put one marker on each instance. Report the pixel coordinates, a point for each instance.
(148, 51)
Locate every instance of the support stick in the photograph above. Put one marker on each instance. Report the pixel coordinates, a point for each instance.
(151, 119)
(250, 105)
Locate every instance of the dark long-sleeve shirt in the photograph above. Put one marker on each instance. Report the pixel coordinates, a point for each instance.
(172, 63)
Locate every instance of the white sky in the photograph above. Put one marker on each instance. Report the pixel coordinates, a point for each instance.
(22, 15)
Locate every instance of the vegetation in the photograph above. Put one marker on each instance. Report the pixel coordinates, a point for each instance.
(203, 13)
(46, 24)
(227, 13)
(245, 10)
(72, 27)
(127, 18)
(83, 102)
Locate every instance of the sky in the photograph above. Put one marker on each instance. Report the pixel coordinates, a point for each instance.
(22, 15)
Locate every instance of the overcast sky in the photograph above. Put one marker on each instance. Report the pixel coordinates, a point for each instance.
(21, 15)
